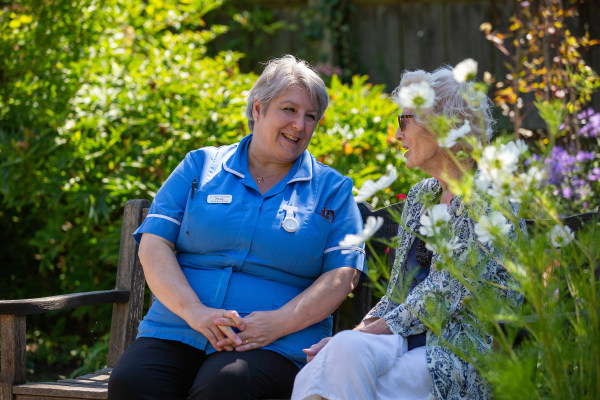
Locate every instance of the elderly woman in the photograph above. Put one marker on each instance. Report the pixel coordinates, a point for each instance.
(392, 354)
(241, 250)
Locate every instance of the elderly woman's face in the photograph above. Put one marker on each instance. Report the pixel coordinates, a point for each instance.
(422, 148)
(284, 129)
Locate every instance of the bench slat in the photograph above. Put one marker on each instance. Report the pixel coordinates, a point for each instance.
(58, 390)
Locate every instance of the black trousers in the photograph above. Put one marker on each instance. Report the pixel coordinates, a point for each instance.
(164, 369)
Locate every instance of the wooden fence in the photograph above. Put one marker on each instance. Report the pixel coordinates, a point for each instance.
(385, 37)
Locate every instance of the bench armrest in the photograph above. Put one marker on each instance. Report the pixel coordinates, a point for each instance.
(62, 302)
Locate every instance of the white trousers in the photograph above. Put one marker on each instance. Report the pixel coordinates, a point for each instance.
(358, 365)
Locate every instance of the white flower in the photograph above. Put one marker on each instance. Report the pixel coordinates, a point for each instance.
(505, 157)
(433, 219)
(371, 226)
(534, 175)
(519, 145)
(490, 225)
(501, 184)
(561, 236)
(369, 187)
(444, 246)
(455, 134)
(465, 70)
(416, 96)
(498, 166)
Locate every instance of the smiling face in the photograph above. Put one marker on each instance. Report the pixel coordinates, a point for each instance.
(423, 151)
(282, 131)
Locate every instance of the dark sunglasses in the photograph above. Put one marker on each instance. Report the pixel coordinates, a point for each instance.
(402, 120)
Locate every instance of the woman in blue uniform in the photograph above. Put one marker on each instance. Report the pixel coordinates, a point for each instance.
(241, 250)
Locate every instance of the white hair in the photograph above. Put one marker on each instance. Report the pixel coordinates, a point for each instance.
(279, 75)
(454, 99)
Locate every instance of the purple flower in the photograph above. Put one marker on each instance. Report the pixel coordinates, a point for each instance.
(591, 127)
(575, 173)
(586, 114)
(584, 155)
(594, 175)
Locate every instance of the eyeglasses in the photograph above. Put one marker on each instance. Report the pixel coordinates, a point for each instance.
(402, 120)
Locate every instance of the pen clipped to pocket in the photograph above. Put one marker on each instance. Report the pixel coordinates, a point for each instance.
(194, 185)
(329, 215)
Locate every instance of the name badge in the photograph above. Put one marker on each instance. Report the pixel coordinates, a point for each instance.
(219, 198)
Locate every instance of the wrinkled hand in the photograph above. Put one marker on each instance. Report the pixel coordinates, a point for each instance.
(315, 348)
(260, 329)
(376, 326)
(202, 320)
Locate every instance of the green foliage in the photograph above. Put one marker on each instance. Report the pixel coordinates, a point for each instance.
(560, 358)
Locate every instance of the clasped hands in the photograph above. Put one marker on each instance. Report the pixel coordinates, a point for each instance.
(255, 330)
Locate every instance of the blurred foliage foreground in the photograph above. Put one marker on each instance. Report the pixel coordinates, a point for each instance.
(99, 101)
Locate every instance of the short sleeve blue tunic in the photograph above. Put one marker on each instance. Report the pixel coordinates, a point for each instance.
(232, 247)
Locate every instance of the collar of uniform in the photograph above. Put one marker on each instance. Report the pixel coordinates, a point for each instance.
(238, 164)
(302, 169)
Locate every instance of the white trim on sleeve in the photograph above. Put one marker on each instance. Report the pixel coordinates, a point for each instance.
(164, 217)
(347, 248)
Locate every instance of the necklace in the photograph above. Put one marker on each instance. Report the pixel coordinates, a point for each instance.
(261, 179)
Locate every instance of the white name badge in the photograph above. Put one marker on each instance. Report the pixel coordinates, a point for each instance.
(219, 198)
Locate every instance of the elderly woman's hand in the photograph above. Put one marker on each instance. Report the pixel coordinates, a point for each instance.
(260, 329)
(315, 348)
(202, 320)
(376, 326)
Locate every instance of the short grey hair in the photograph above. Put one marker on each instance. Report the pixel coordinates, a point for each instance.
(454, 99)
(279, 75)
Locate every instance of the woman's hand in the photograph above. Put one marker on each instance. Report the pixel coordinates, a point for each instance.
(315, 348)
(202, 320)
(312, 305)
(260, 329)
(376, 326)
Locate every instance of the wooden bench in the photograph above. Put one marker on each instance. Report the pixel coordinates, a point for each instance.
(128, 299)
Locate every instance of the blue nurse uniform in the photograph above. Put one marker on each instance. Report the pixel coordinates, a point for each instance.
(232, 247)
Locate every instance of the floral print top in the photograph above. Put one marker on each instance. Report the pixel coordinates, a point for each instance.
(453, 377)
